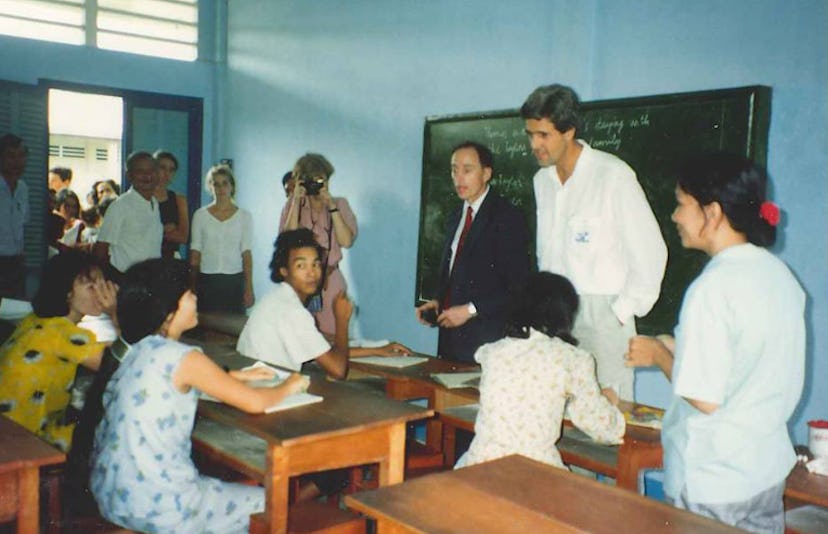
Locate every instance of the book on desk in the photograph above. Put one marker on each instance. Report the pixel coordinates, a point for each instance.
(294, 400)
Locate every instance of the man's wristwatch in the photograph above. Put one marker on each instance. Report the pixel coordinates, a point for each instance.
(472, 309)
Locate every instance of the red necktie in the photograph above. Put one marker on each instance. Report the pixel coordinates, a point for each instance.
(466, 227)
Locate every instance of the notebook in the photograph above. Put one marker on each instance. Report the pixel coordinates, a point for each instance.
(391, 361)
(291, 401)
(458, 380)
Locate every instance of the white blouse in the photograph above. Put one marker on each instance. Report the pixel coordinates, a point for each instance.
(221, 243)
(524, 388)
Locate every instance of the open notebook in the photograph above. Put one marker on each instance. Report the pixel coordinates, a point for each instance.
(291, 401)
(458, 380)
(391, 361)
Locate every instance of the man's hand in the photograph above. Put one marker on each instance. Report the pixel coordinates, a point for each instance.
(249, 299)
(342, 307)
(454, 316)
(644, 351)
(393, 349)
(419, 310)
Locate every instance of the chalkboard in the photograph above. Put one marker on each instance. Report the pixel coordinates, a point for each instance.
(652, 134)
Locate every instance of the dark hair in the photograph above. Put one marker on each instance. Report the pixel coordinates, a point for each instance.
(163, 154)
(546, 302)
(135, 156)
(149, 292)
(115, 187)
(558, 103)
(63, 195)
(65, 173)
(11, 141)
(286, 178)
(483, 153)
(59, 275)
(737, 184)
(221, 168)
(91, 216)
(291, 240)
(104, 204)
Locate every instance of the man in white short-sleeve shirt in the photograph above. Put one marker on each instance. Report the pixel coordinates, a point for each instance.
(132, 229)
(14, 214)
(280, 329)
(594, 226)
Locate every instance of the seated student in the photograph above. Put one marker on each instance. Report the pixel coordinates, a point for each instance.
(282, 331)
(142, 475)
(39, 360)
(533, 374)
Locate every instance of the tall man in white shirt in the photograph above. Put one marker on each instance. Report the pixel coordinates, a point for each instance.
(14, 213)
(132, 229)
(595, 227)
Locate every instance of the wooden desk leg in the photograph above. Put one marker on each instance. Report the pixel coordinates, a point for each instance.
(434, 427)
(392, 466)
(449, 445)
(28, 501)
(633, 456)
(276, 490)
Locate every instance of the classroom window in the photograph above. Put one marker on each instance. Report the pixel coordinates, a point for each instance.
(161, 28)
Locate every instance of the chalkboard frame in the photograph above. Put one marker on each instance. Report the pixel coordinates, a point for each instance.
(750, 138)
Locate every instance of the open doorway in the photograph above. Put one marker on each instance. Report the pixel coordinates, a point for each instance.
(85, 141)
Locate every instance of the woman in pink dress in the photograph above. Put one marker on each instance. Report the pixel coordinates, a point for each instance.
(310, 205)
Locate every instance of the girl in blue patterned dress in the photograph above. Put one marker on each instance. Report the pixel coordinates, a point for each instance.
(142, 475)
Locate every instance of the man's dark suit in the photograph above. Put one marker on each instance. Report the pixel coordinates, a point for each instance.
(493, 260)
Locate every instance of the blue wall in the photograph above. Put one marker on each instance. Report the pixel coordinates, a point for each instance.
(355, 81)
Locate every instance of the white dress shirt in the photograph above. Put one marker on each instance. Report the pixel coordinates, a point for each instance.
(598, 230)
(14, 213)
(132, 227)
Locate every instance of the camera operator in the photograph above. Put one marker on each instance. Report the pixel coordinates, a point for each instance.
(310, 205)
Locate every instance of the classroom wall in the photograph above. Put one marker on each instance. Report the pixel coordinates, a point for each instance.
(355, 82)
(28, 61)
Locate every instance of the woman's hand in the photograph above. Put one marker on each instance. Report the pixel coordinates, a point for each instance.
(296, 383)
(106, 292)
(256, 373)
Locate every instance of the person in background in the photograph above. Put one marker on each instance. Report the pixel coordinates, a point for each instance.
(485, 256)
(38, 362)
(14, 215)
(143, 477)
(737, 362)
(594, 226)
(332, 222)
(67, 205)
(91, 224)
(288, 183)
(220, 248)
(538, 355)
(175, 215)
(103, 189)
(60, 178)
(132, 230)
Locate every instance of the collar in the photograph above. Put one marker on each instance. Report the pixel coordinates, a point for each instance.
(475, 206)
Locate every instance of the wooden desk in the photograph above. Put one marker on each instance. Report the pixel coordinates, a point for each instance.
(803, 487)
(415, 382)
(350, 427)
(22, 454)
(641, 448)
(518, 495)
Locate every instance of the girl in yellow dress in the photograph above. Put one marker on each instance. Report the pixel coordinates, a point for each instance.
(38, 362)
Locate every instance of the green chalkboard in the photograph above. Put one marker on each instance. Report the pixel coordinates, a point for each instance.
(650, 133)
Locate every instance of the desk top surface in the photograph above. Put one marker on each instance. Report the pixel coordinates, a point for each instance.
(346, 408)
(20, 448)
(421, 373)
(516, 494)
(807, 487)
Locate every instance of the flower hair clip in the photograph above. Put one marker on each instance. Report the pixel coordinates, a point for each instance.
(769, 212)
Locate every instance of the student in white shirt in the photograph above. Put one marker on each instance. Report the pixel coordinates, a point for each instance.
(220, 248)
(280, 329)
(737, 363)
(595, 227)
(132, 230)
